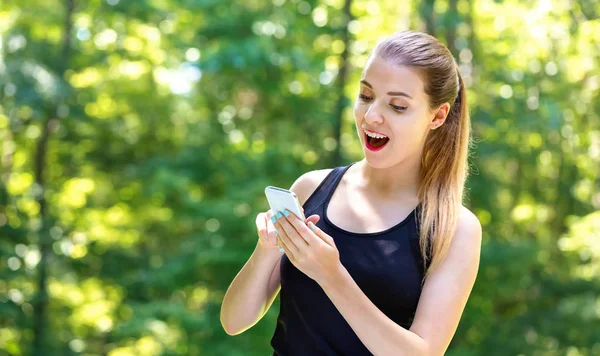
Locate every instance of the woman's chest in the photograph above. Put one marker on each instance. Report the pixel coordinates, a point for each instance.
(382, 266)
(359, 213)
(384, 269)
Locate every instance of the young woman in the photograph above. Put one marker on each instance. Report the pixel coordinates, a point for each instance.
(392, 259)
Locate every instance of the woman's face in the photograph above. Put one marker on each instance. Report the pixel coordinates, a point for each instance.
(392, 102)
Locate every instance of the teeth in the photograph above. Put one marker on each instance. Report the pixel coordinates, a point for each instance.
(370, 134)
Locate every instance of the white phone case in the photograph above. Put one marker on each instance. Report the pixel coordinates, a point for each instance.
(280, 199)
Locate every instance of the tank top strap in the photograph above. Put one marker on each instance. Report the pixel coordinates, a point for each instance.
(325, 189)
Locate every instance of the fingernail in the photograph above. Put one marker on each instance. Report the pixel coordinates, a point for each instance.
(273, 219)
(312, 226)
(286, 212)
(279, 215)
(281, 250)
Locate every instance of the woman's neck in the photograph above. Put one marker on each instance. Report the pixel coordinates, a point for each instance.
(398, 181)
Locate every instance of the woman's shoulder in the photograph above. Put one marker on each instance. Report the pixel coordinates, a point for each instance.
(316, 176)
(308, 182)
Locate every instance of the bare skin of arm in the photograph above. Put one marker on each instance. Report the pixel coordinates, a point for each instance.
(256, 286)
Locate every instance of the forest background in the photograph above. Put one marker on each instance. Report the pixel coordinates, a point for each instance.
(136, 139)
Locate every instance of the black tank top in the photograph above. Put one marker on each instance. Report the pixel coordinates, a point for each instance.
(386, 265)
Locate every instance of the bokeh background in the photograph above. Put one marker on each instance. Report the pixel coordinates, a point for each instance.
(136, 139)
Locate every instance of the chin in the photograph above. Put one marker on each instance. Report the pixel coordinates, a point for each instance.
(377, 162)
(382, 161)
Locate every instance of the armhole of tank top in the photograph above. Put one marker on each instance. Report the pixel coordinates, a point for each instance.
(317, 189)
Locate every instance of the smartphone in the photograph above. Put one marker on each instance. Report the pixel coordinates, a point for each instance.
(280, 199)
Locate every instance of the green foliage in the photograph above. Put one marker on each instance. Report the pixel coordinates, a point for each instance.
(166, 119)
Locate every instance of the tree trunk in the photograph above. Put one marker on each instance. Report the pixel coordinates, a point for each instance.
(336, 158)
(427, 14)
(452, 19)
(50, 125)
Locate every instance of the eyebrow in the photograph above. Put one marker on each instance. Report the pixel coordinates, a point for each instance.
(392, 93)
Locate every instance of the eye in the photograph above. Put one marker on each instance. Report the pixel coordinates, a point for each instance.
(364, 97)
(398, 108)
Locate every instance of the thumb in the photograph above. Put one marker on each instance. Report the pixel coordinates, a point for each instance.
(314, 218)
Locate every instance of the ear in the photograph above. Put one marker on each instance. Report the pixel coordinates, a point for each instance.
(439, 116)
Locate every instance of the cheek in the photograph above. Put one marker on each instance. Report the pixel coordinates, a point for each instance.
(406, 127)
(359, 110)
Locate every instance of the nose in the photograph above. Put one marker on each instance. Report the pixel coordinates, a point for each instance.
(372, 115)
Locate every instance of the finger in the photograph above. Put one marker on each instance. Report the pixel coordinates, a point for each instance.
(291, 224)
(270, 221)
(314, 218)
(321, 234)
(286, 249)
(261, 226)
(300, 228)
(286, 232)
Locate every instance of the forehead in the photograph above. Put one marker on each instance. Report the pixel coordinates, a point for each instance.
(385, 76)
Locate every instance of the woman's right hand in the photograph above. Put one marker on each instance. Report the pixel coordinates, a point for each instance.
(266, 229)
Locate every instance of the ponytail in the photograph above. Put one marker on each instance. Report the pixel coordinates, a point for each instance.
(444, 172)
(457, 107)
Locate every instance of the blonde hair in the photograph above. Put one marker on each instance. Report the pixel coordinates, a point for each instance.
(444, 167)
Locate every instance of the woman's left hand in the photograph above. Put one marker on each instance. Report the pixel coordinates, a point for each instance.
(311, 250)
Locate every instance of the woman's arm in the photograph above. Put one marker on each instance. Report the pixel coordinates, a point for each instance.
(251, 293)
(256, 286)
(440, 307)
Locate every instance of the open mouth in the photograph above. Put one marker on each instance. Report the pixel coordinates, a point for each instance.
(375, 144)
